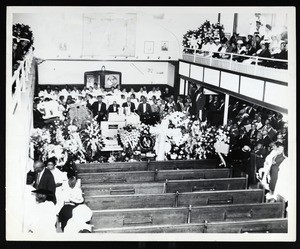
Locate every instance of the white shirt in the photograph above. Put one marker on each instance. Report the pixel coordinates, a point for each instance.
(59, 176)
(43, 218)
(40, 174)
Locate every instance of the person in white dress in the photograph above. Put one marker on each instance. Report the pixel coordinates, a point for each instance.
(44, 214)
(78, 223)
(72, 198)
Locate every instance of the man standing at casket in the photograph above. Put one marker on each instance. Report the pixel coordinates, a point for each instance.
(199, 102)
(98, 109)
(144, 110)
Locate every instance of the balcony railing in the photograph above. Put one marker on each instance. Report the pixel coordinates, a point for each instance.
(19, 78)
(229, 63)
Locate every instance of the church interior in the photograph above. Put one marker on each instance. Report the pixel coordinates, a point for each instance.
(150, 120)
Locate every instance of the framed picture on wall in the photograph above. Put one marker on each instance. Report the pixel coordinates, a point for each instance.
(111, 80)
(90, 80)
(149, 47)
(164, 46)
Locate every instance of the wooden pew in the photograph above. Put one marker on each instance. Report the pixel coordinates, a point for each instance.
(171, 186)
(184, 215)
(252, 226)
(111, 167)
(124, 188)
(144, 165)
(104, 202)
(180, 186)
(183, 164)
(153, 176)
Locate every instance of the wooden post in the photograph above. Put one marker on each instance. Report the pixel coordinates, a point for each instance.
(225, 118)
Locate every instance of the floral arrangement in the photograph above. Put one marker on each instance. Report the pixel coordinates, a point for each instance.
(177, 120)
(92, 140)
(195, 38)
(65, 140)
(129, 136)
(222, 141)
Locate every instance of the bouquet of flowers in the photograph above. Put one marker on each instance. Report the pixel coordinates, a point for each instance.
(92, 140)
(205, 30)
(176, 120)
(222, 141)
(129, 136)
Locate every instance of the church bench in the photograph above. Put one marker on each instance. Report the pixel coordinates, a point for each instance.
(111, 167)
(144, 165)
(171, 186)
(153, 176)
(253, 226)
(104, 202)
(183, 164)
(184, 215)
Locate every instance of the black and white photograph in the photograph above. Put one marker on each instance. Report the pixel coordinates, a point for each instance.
(150, 123)
(164, 46)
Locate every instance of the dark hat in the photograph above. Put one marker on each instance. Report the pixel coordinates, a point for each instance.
(52, 160)
(278, 144)
(42, 191)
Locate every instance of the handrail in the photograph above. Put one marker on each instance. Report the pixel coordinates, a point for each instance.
(20, 76)
(234, 54)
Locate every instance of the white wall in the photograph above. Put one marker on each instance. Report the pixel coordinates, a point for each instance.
(135, 72)
(52, 27)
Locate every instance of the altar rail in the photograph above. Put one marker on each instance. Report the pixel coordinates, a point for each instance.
(146, 165)
(230, 64)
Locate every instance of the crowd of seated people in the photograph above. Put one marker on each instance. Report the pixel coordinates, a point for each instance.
(149, 105)
(246, 48)
(54, 201)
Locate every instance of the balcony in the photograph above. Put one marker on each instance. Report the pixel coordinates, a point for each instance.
(193, 55)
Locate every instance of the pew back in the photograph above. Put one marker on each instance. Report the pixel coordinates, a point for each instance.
(153, 176)
(183, 215)
(167, 187)
(252, 226)
(144, 165)
(204, 198)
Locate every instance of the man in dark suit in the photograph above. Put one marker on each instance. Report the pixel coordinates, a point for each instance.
(44, 178)
(98, 109)
(38, 121)
(114, 107)
(144, 110)
(129, 104)
(266, 140)
(199, 102)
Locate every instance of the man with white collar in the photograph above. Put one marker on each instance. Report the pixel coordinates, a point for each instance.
(44, 178)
